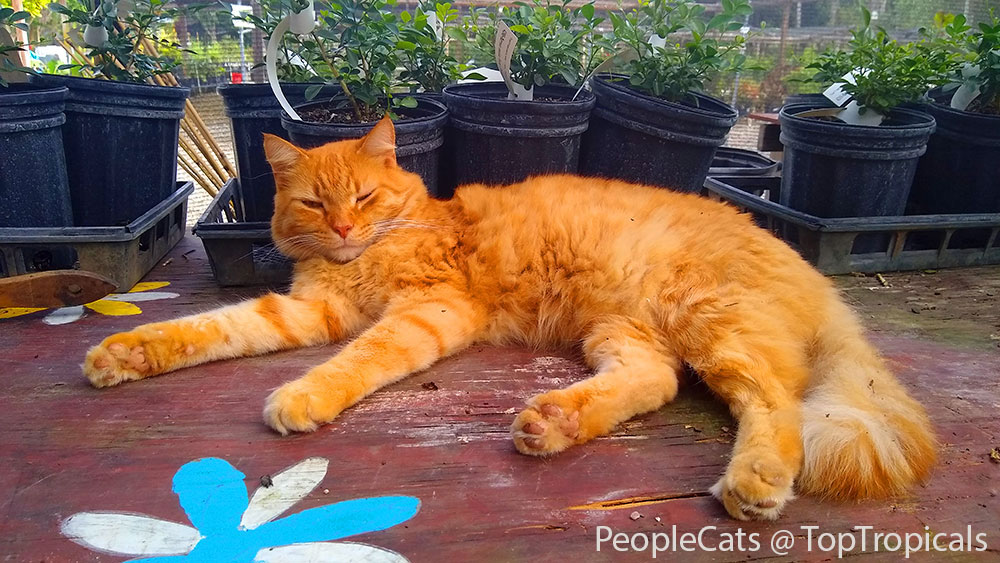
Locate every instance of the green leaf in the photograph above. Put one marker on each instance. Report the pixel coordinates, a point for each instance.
(408, 102)
(588, 11)
(518, 28)
(456, 33)
(406, 45)
(313, 90)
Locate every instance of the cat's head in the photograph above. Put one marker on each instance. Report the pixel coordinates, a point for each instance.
(336, 200)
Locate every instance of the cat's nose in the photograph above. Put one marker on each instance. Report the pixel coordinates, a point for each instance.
(342, 230)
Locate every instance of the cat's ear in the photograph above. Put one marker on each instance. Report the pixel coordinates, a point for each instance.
(380, 142)
(280, 153)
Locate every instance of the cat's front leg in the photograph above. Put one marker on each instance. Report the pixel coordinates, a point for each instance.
(258, 326)
(413, 333)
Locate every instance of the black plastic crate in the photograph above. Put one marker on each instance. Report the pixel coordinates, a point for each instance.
(241, 253)
(844, 245)
(122, 254)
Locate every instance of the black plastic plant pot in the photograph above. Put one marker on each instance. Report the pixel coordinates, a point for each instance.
(34, 190)
(648, 140)
(960, 172)
(817, 100)
(730, 161)
(832, 169)
(496, 141)
(419, 137)
(253, 110)
(121, 147)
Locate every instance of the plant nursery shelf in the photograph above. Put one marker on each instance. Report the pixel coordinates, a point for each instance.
(442, 436)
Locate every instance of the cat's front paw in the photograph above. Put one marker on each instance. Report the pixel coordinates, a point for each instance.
(547, 427)
(121, 357)
(302, 405)
(756, 486)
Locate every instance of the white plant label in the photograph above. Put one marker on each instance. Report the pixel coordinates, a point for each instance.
(657, 41)
(304, 22)
(852, 115)
(436, 25)
(270, 58)
(95, 35)
(503, 50)
(965, 94)
(12, 56)
(836, 94)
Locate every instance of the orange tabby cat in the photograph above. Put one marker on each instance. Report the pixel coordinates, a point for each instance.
(646, 278)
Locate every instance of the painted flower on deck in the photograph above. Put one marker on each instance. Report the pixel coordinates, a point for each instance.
(116, 304)
(229, 527)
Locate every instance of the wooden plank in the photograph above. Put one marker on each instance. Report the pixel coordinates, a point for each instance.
(69, 448)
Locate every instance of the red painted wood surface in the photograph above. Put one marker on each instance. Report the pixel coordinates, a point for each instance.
(68, 447)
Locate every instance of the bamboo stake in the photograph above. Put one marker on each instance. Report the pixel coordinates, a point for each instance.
(208, 136)
(217, 169)
(75, 52)
(196, 116)
(197, 157)
(205, 184)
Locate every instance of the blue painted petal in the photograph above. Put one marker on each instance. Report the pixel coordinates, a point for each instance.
(335, 521)
(212, 493)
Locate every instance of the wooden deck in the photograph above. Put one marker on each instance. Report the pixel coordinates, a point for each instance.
(441, 436)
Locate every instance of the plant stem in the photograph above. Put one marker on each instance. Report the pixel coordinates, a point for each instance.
(336, 75)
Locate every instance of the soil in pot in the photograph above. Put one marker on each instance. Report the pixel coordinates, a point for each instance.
(419, 135)
(496, 141)
(34, 189)
(121, 147)
(253, 110)
(960, 172)
(640, 138)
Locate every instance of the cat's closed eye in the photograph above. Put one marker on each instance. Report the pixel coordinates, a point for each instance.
(363, 197)
(311, 203)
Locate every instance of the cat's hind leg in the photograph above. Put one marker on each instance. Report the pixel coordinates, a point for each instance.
(635, 373)
(266, 324)
(744, 370)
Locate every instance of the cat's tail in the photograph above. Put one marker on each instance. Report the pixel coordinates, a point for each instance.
(864, 436)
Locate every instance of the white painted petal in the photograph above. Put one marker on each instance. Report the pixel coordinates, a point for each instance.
(143, 296)
(341, 552)
(288, 488)
(129, 534)
(64, 315)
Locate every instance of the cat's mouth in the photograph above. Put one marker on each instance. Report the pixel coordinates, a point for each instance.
(347, 251)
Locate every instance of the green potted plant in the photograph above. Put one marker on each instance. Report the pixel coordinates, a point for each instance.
(859, 160)
(253, 110)
(960, 170)
(424, 44)
(506, 132)
(652, 123)
(354, 49)
(34, 191)
(121, 131)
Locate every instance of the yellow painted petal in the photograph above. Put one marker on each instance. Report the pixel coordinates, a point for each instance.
(11, 312)
(146, 286)
(114, 308)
